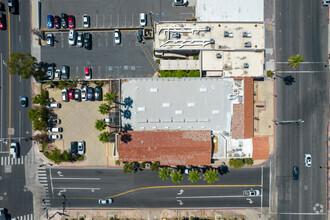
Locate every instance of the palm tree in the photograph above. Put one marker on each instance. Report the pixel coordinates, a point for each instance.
(176, 176)
(100, 125)
(104, 137)
(155, 166)
(194, 176)
(164, 173)
(104, 108)
(110, 97)
(210, 176)
(294, 62)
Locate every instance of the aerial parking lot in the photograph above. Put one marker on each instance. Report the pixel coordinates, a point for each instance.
(108, 59)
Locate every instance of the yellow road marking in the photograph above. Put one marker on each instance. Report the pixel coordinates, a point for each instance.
(9, 85)
(164, 187)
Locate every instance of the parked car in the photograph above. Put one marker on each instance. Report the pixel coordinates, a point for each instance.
(74, 146)
(98, 93)
(50, 73)
(308, 160)
(55, 136)
(55, 129)
(50, 21)
(105, 201)
(72, 22)
(50, 39)
(295, 172)
(3, 25)
(14, 150)
(53, 105)
(24, 101)
(90, 93)
(77, 96)
(71, 93)
(65, 72)
(251, 192)
(180, 3)
(13, 6)
(65, 97)
(88, 41)
(117, 36)
(72, 37)
(81, 147)
(54, 121)
(57, 22)
(64, 20)
(88, 73)
(143, 19)
(80, 40)
(83, 93)
(139, 35)
(86, 21)
(58, 74)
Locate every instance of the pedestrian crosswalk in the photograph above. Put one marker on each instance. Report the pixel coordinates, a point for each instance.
(26, 159)
(44, 192)
(24, 217)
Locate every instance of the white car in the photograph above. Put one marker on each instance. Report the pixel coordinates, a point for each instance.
(53, 105)
(308, 160)
(105, 201)
(55, 136)
(72, 37)
(81, 147)
(326, 2)
(143, 19)
(58, 74)
(117, 36)
(14, 150)
(65, 97)
(55, 129)
(50, 72)
(50, 39)
(80, 40)
(83, 93)
(86, 21)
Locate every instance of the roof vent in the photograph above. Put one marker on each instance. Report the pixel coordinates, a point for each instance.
(247, 34)
(153, 89)
(219, 56)
(247, 44)
(178, 112)
(207, 28)
(212, 41)
(191, 104)
(246, 65)
(166, 105)
(203, 89)
(226, 34)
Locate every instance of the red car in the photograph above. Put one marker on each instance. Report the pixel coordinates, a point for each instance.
(71, 21)
(57, 22)
(2, 21)
(88, 73)
(71, 93)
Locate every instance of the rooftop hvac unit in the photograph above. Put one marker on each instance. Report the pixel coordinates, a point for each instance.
(246, 65)
(212, 41)
(219, 56)
(247, 44)
(207, 28)
(226, 34)
(247, 34)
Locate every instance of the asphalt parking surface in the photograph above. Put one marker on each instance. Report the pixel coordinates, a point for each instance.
(108, 60)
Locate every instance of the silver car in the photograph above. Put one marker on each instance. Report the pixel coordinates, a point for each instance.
(80, 40)
(72, 37)
(105, 201)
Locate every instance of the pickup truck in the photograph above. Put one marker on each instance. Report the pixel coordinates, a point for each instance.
(251, 192)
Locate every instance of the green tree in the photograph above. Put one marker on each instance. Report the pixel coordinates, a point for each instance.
(42, 138)
(22, 64)
(38, 116)
(176, 176)
(39, 125)
(248, 161)
(104, 108)
(155, 166)
(99, 83)
(100, 125)
(55, 156)
(41, 98)
(164, 173)
(294, 61)
(236, 163)
(128, 167)
(62, 84)
(66, 156)
(143, 165)
(194, 176)
(33, 114)
(117, 162)
(104, 137)
(210, 176)
(73, 83)
(110, 97)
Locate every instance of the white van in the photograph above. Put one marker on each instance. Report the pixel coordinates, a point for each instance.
(53, 105)
(55, 129)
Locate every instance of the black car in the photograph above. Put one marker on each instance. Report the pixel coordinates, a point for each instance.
(64, 20)
(74, 147)
(13, 6)
(98, 93)
(295, 173)
(88, 41)
(90, 94)
(139, 35)
(3, 21)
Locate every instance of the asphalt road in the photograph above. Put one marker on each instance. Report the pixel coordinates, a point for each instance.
(302, 28)
(144, 189)
(108, 60)
(15, 197)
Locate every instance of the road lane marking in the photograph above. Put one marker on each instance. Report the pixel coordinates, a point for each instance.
(51, 182)
(9, 52)
(1, 98)
(301, 213)
(300, 71)
(58, 178)
(208, 197)
(65, 188)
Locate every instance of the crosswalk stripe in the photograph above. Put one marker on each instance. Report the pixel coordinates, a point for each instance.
(41, 171)
(11, 160)
(42, 174)
(22, 160)
(6, 160)
(1, 160)
(42, 177)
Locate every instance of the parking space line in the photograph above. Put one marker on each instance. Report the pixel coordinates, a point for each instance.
(111, 20)
(117, 20)
(132, 20)
(106, 39)
(125, 20)
(76, 70)
(62, 41)
(96, 21)
(99, 70)
(103, 21)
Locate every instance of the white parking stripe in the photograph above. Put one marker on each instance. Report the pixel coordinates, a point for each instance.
(42, 174)
(11, 160)
(1, 160)
(22, 160)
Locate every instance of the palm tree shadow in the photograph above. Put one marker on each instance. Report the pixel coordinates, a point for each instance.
(288, 80)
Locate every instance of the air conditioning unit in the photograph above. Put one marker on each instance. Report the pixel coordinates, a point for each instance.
(247, 44)
(247, 34)
(226, 34)
(212, 41)
(219, 56)
(246, 65)
(207, 28)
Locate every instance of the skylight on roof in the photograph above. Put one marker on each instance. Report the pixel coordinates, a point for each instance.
(141, 109)
(178, 112)
(203, 89)
(191, 104)
(166, 105)
(153, 89)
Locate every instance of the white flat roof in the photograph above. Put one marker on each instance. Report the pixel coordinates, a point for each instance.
(230, 10)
